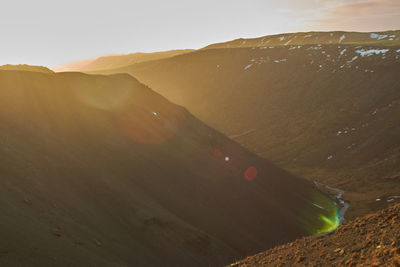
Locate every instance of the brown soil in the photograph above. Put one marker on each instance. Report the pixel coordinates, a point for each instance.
(373, 240)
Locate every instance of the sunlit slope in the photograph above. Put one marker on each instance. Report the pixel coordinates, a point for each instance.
(372, 240)
(388, 38)
(26, 68)
(326, 112)
(101, 170)
(117, 61)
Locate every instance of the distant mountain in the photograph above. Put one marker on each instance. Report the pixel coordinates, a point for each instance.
(117, 61)
(325, 111)
(369, 241)
(387, 38)
(26, 68)
(101, 170)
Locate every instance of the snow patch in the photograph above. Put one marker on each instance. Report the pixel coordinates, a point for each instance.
(280, 60)
(314, 48)
(318, 206)
(354, 58)
(288, 42)
(378, 36)
(248, 66)
(266, 47)
(370, 52)
(294, 47)
(342, 38)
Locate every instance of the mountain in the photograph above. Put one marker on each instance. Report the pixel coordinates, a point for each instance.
(323, 107)
(24, 67)
(369, 241)
(388, 38)
(117, 61)
(102, 171)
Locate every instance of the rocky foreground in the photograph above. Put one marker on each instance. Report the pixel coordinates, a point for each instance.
(373, 240)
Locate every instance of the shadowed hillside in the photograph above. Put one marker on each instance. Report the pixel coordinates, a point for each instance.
(327, 109)
(101, 170)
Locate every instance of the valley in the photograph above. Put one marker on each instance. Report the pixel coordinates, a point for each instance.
(322, 107)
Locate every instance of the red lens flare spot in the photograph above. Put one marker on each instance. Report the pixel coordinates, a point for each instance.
(250, 173)
(217, 153)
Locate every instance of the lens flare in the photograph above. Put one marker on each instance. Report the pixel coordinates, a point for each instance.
(217, 153)
(320, 215)
(147, 127)
(103, 97)
(330, 224)
(250, 173)
(142, 115)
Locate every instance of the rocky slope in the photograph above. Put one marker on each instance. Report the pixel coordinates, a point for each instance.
(101, 170)
(322, 106)
(373, 240)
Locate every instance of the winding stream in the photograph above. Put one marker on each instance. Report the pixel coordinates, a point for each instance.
(339, 199)
(343, 205)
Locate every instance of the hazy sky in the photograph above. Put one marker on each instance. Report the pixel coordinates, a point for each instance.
(51, 32)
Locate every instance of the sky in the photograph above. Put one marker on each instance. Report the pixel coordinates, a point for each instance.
(52, 32)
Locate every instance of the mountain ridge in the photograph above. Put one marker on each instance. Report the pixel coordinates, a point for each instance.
(391, 37)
